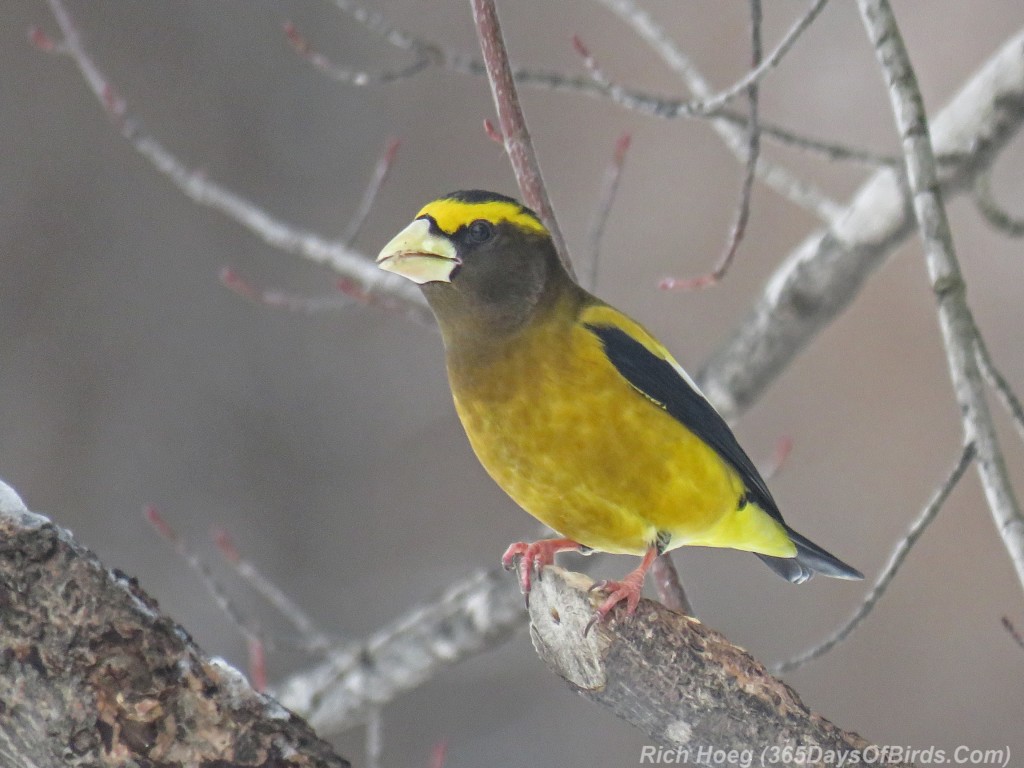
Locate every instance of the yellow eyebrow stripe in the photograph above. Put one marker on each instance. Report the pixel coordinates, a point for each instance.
(450, 214)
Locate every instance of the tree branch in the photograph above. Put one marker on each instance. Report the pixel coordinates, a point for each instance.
(826, 272)
(993, 213)
(518, 145)
(733, 133)
(92, 674)
(472, 615)
(882, 582)
(202, 190)
(959, 331)
(680, 682)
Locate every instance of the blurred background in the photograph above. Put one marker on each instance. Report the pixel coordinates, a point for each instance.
(327, 442)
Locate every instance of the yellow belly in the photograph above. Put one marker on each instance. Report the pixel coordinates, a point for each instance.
(577, 447)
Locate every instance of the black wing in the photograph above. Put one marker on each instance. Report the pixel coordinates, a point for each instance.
(658, 380)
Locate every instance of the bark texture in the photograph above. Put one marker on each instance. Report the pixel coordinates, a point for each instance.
(91, 673)
(682, 683)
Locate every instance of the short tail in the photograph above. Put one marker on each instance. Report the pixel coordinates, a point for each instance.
(810, 559)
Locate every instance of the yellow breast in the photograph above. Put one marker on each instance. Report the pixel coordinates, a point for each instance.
(574, 444)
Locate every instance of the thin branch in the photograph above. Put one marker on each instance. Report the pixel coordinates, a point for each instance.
(896, 559)
(820, 278)
(995, 214)
(278, 299)
(829, 149)
(800, 192)
(374, 738)
(561, 82)
(249, 630)
(1012, 630)
(438, 755)
(380, 175)
(783, 448)
(678, 681)
(196, 186)
(472, 615)
(959, 331)
(739, 226)
(609, 187)
(669, 586)
(775, 176)
(313, 639)
(707, 104)
(430, 53)
(1002, 387)
(518, 145)
(424, 59)
(257, 653)
(750, 81)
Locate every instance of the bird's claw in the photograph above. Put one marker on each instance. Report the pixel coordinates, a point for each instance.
(533, 557)
(627, 589)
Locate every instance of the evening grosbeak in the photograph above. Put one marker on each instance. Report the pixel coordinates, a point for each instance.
(576, 411)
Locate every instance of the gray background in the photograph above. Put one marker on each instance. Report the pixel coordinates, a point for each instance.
(327, 442)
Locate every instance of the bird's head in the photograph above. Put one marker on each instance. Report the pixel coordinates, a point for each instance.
(483, 260)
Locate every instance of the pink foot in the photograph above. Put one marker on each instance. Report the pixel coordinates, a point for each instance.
(628, 589)
(534, 556)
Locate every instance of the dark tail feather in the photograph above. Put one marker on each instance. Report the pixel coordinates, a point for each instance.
(810, 559)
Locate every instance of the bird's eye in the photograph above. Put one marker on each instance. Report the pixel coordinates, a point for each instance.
(480, 231)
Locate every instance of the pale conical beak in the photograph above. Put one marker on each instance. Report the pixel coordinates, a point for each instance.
(420, 255)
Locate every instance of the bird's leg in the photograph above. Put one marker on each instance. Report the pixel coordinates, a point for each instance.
(534, 556)
(628, 589)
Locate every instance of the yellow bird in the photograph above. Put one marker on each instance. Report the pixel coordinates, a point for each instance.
(576, 411)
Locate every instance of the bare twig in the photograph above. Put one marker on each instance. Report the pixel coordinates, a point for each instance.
(739, 226)
(473, 615)
(1012, 630)
(203, 191)
(959, 331)
(749, 82)
(669, 586)
(783, 448)
(518, 145)
(430, 53)
(609, 186)
(822, 276)
(380, 175)
(828, 149)
(1002, 387)
(899, 554)
(995, 214)
(312, 638)
(438, 755)
(775, 176)
(278, 299)
(708, 104)
(374, 738)
(249, 630)
(257, 653)
(424, 59)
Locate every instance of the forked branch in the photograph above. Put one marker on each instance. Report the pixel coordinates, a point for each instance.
(959, 331)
